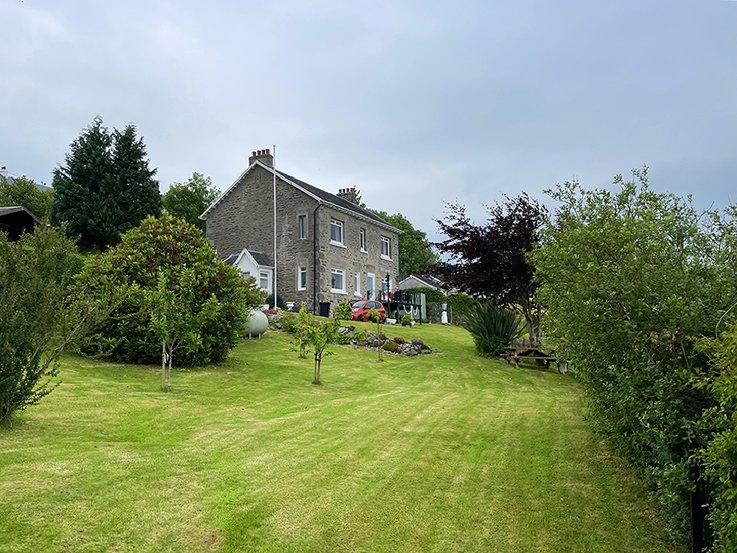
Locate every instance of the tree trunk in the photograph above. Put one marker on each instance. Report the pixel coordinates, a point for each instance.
(532, 313)
(318, 360)
(163, 365)
(171, 357)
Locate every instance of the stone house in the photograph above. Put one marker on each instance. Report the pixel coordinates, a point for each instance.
(328, 248)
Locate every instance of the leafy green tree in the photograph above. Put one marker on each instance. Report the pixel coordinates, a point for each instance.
(627, 278)
(23, 191)
(188, 200)
(37, 319)
(415, 254)
(105, 187)
(214, 297)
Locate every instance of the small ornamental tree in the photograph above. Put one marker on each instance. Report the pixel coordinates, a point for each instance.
(176, 316)
(319, 337)
(177, 292)
(375, 316)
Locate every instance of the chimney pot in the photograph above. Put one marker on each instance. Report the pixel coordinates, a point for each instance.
(264, 156)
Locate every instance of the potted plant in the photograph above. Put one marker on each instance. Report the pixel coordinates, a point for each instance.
(290, 303)
(407, 320)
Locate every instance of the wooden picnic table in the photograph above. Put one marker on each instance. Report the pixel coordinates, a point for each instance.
(517, 354)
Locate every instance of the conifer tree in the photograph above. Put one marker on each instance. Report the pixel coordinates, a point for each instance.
(105, 188)
(136, 191)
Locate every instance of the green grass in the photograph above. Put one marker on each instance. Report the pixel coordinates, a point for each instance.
(447, 452)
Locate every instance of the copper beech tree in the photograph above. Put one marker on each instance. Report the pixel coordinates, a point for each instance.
(490, 261)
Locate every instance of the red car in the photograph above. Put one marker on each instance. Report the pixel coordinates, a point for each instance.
(361, 310)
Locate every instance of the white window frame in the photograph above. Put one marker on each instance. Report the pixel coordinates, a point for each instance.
(302, 228)
(388, 241)
(333, 273)
(362, 239)
(357, 285)
(301, 285)
(337, 224)
(268, 275)
(370, 278)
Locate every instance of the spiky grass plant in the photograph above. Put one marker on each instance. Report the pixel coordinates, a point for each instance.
(493, 328)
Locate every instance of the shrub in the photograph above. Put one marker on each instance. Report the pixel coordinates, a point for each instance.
(214, 306)
(289, 322)
(462, 304)
(391, 346)
(399, 339)
(35, 274)
(493, 328)
(343, 311)
(627, 277)
(417, 342)
(720, 455)
(280, 303)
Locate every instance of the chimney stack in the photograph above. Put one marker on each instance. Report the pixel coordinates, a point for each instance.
(264, 156)
(349, 194)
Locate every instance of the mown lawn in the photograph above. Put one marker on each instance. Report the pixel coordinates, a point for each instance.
(446, 452)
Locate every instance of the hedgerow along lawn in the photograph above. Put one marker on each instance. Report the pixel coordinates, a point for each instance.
(446, 452)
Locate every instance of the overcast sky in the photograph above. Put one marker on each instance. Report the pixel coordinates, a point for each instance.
(415, 103)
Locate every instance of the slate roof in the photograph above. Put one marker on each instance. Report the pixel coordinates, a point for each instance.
(320, 194)
(332, 198)
(260, 258)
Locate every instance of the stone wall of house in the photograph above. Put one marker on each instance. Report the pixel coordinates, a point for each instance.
(349, 257)
(244, 219)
